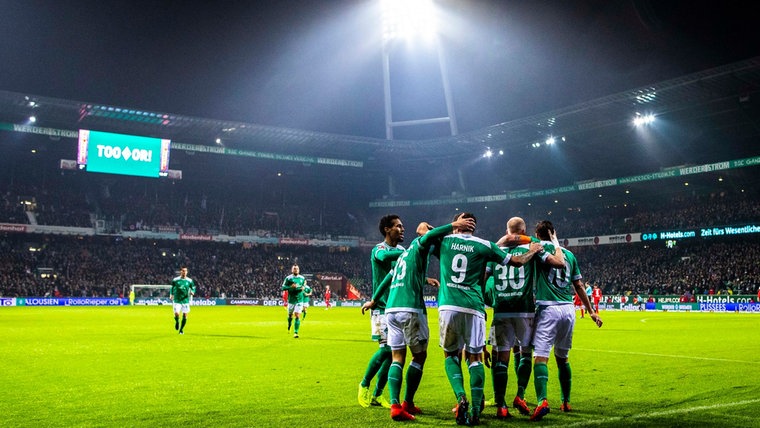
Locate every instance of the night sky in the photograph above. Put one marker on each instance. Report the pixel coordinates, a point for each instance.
(316, 65)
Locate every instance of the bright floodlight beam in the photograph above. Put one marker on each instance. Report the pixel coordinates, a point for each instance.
(408, 19)
(640, 120)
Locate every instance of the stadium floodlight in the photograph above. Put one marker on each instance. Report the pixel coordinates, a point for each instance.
(488, 153)
(32, 119)
(407, 19)
(641, 120)
(550, 141)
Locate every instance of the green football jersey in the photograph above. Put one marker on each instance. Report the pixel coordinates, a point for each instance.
(182, 288)
(294, 285)
(509, 289)
(555, 286)
(306, 295)
(382, 259)
(405, 283)
(463, 261)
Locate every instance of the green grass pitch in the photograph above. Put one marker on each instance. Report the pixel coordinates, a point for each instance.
(239, 367)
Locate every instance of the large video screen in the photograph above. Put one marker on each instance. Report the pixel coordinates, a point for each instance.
(123, 154)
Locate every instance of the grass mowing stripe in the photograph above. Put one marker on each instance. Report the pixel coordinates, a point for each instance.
(671, 412)
(649, 354)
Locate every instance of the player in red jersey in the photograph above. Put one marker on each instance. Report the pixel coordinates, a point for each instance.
(597, 296)
(578, 304)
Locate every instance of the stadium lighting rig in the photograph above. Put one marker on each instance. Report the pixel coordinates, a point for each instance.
(642, 120)
(407, 20)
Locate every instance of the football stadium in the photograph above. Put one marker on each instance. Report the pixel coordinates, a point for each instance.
(491, 213)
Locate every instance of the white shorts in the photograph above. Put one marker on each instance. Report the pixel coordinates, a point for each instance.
(554, 327)
(408, 329)
(181, 307)
(295, 308)
(505, 332)
(460, 330)
(305, 305)
(379, 328)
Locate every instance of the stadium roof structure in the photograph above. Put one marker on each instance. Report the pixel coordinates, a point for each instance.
(716, 113)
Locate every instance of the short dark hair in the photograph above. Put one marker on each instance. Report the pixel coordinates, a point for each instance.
(544, 229)
(387, 221)
(464, 215)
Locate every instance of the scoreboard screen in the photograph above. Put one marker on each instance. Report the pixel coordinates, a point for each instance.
(111, 153)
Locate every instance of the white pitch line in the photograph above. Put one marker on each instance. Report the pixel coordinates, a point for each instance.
(662, 413)
(688, 357)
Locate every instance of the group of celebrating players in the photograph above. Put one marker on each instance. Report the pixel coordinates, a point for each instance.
(530, 283)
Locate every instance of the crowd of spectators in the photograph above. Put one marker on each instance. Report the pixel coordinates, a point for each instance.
(45, 265)
(726, 266)
(131, 203)
(98, 266)
(106, 265)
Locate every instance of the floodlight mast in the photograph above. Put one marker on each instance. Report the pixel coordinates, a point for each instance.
(409, 18)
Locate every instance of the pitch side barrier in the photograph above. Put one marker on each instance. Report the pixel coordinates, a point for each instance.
(243, 301)
(63, 301)
(703, 303)
(721, 303)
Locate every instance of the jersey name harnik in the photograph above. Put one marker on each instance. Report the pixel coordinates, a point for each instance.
(462, 247)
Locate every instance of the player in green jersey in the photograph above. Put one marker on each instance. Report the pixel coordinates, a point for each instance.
(463, 258)
(306, 297)
(383, 257)
(509, 291)
(181, 294)
(294, 284)
(555, 320)
(406, 314)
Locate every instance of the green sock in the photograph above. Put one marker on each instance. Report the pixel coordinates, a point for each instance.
(499, 374)
(182, 325)
(413, 379)
(372, 367)
(454, 373)
(382, 374)
(523, 374)
(290, 322)
(540, 379)
(565, 380)
(477, 382)
(395, 375)
(304, 315)
(297, 325)
(516, 362)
